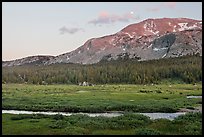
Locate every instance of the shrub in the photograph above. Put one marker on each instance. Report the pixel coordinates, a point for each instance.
(158, 91)
(58, 117)
(145, 91)
(190, 117)
(193, 129)
(58, 124)
(192, 108)
(199, 102)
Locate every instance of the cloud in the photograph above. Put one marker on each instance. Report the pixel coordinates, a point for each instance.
(103, 18)
(107, 18)
(64, 30)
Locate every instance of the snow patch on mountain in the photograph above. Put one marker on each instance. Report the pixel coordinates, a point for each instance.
(164, 55)
(183, 26)
(149, 45)
(129, 35)
(158, 49)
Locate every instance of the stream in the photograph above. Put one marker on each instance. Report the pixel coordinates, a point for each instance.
(153, 116)
(170, 116)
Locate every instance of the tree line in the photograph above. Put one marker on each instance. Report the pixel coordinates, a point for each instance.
(187, 69)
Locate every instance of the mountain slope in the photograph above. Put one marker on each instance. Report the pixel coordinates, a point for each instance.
(149, 39)
(31, 60)
(146, 40)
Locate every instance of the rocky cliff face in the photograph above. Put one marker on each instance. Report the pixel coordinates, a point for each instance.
(146, 40)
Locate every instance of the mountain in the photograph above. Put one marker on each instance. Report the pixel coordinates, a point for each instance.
(146, 40)
(149, 39)
(31, 60)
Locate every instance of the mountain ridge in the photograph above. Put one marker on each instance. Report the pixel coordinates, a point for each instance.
(146, 40)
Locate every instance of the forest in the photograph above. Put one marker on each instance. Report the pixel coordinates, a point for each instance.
(186, 69)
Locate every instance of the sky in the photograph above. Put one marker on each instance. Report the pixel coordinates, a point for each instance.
(54, 28)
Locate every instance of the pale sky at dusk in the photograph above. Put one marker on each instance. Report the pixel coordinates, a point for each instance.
(52, 28)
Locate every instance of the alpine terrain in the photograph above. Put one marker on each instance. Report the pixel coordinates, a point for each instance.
(146, 40)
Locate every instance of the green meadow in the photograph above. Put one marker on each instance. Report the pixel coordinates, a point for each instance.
(101, 98)
(128, 124)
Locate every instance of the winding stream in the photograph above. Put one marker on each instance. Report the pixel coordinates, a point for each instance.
(62, 113)
(153, 116)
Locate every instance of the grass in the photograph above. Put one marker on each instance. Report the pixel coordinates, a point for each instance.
(100, 98)
(128, 124)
